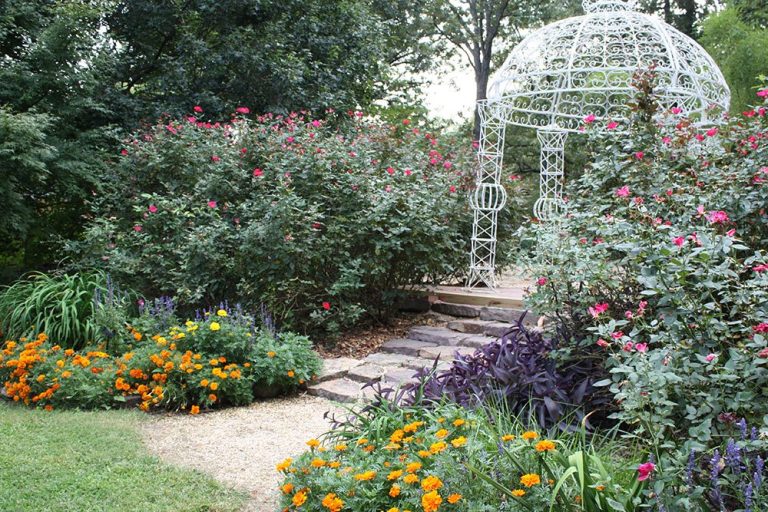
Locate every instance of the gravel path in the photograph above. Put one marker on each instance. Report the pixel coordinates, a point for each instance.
(241, 446)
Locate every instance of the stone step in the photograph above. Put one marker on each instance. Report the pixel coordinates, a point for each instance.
(468, 326)
(506, 315)
(389, 359)
(437, 335)
(496, 329)
(336, 368)
(408, 347)
(478, 341)
(445, 353)
(366, 372)
(341, 390)
(462, 310)
(398, 376)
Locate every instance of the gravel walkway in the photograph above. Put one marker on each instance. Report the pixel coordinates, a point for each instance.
(241, 446)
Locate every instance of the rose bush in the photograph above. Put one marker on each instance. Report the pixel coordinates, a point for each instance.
(323, 222)
(661, 264)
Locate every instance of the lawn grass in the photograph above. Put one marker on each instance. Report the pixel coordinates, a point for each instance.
(94, 461)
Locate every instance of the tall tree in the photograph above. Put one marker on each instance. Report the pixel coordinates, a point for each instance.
(476, 27)
(685, 15)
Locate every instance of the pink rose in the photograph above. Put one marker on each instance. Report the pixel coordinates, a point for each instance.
(602, 343)
(258, 172)
(623, 191)
(628, 346)
(198, 109)
(612, 125)
(541, 281)
(152, 208)
(590, 119)
(407, 172)
(211, 204)
(452, 189)
(711, 357)
(641, 347)
(763, 93)
(712, 132)
(676, 110)
(639, 155)
(137, 228)
(679, 241)
(598, 309)
(645, 470)
(390, 170)
(243, 110)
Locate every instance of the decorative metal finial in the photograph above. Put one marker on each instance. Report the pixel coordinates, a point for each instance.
(591, 6)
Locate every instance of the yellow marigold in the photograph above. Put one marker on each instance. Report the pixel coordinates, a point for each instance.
(440, 434)
(545, 446)
(440, 420)
(335, 464)
(189, 323)
(394, 475)
(413, 467)
(529, 435)
(424, 454)
(518, 493)
(212, 397)
(214, 386)
(431, 501)
(459, 442)
(454, 498)
(195, 409)
(287, 488)
(291, 374)
(431, 483)
(411, 427)
(313, 443)
(271, 354)
(215, 326)
(369, 448)
(394, 491)
(66, 374)
(600, 487)
(221, 312)
(41, 377)
(204, 383)
(60, 363)
(530, 479)
(285, 464)
(137, 336)
(214, 362)
(507, 437)
(410, 479)
(437, 447)
(317, 463)
(459, 422)
(332, 502)
(393, 509)
(366, 475)
(340, 447)
(361, 441)
(299, 498)
(397, 436)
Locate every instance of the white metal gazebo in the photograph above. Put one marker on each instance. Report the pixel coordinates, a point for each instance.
(571, 72)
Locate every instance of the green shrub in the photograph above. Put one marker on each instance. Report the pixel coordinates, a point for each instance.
(323, 223)
(74, 309)
(661, 262)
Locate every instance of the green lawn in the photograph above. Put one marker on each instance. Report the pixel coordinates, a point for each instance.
(93, 461)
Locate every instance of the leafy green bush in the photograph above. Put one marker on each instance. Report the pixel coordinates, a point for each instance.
(71, 308)
(661, 263)
(323, 223)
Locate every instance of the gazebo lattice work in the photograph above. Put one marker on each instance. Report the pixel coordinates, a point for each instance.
(566, 72)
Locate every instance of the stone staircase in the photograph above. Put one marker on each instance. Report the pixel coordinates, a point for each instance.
(461, 328)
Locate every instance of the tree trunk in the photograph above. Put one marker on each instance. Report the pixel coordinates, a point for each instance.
(481, 93)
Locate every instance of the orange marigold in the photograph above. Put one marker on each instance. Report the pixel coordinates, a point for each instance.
(366, 475)
(518, 493)
(545, 446)
(287, 488)
(454, 498)
(299, 498)
(394, 475)
(459, 442)
(285, 464)
(413, 467)
(431, 501)
(530, 479)
(332, 502)
(431, 483)
(529, 435)
(195, 409)
(313, 443)
(394, 491)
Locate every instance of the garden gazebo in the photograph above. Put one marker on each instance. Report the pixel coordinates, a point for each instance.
(574, 71)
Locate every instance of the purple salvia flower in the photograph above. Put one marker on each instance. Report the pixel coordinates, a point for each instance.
(689, 469)
(748, 498)
(758, 476)
(753, 436)
(743, 429)
(733, 456)
(714, 478)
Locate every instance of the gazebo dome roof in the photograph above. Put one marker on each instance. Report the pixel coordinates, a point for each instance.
(584, 65)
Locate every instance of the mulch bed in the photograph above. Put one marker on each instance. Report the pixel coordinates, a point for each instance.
(359, 343)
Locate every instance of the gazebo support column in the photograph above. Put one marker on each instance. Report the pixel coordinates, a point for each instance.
(550, 203)
(488, 197)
